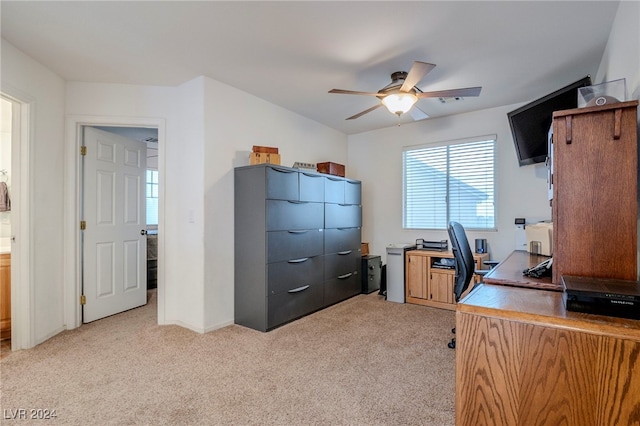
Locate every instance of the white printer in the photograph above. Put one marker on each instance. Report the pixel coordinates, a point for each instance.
(540, 238)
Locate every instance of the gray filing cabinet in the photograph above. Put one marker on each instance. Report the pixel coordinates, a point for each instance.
(297, 243)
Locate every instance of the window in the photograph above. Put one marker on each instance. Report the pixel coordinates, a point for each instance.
(450, 181)
(152, 197)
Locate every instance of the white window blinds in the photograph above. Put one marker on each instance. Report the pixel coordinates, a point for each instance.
(450, 181)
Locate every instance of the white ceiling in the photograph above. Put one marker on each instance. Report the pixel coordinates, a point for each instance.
(293, 53)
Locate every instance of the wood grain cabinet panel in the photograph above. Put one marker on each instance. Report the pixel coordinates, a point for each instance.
(595, 192)
(523, 360)
(416, 277)
(5, 295)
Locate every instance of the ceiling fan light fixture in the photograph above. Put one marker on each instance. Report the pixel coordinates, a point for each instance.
(399, 103)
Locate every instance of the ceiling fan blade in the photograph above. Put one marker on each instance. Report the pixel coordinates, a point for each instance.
(360, 114)
(354, 92)
(417, 114)
(452, 93)
(416, 73)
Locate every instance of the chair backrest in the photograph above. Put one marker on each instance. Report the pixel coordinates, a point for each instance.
(465, 265)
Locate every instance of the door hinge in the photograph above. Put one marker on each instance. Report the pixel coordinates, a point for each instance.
(83, 299)
(83, 225)
(83, 150)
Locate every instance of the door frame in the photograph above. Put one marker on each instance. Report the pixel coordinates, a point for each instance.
(73, 206)
(22, 284)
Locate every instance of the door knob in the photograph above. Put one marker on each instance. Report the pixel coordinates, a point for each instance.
(143, 232)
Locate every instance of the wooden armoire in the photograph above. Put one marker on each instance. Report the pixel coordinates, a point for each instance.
(595, 191)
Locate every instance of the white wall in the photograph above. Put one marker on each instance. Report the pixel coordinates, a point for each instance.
(180, 108)
(376, 159)
(184, 209)
(30, 82)
(206, 137)
(621, 57)
(234, 122)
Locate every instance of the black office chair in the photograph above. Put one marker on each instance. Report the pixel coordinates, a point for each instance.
(465, 265)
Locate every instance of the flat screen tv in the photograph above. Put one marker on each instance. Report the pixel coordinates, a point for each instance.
(530, 123)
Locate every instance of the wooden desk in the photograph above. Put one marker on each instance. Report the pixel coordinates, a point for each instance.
(428, 285)
(509, 272)
(523, 359)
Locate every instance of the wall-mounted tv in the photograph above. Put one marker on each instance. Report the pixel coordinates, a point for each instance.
(530, 123)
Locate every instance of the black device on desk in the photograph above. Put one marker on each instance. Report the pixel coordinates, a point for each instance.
(600, 296)
(542, 269)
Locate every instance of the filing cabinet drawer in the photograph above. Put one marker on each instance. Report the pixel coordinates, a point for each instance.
(311, 187)
(342, 191)
(289, 215)
(352, 192)
(287, 245)
(334, 190)
(341, 239)
(341, 288)
(283, 276)
(342, 216)
(292, 304)
(282, 184)
(339, 264)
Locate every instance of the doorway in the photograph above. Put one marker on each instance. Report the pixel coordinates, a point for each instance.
(15, 240)
(119, 254)
(6, 126)
(73, 191)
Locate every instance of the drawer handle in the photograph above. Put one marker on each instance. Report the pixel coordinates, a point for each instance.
(299, 289)
(345, 276)
(311, 176)
(297, 232)
(296, 202)
(281, 170)
(342, 253)
(302, 259)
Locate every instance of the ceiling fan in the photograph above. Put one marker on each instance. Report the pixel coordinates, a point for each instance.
(401, 94)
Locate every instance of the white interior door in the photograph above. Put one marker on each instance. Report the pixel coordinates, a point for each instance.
(114, 241)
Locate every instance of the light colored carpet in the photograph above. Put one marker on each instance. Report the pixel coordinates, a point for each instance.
(364, 361)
